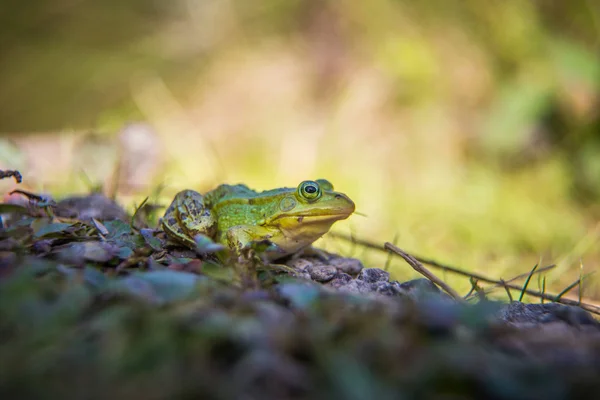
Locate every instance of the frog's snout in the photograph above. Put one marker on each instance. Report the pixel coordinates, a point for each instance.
(345, 205)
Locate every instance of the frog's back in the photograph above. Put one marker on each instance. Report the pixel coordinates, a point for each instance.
(226, 192)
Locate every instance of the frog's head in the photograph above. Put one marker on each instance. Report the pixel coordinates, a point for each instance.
(307, 213)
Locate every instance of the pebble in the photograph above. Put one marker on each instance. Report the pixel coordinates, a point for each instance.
(372, 275)
(300, 263)
(340, 279)
(350, 266)
(321, 273)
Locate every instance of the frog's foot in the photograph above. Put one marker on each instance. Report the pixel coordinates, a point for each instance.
(249, 240)
(264, 249)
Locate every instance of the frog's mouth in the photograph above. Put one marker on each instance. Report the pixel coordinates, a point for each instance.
(313, 218)
(335, 209)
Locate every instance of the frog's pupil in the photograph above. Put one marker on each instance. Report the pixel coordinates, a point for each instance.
(311, 189)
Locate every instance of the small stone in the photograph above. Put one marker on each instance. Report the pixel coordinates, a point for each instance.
(340, 279)
(350, 266)
(517, 312)
(301, 275)
(321, 273)
(363, 287)
(301, 264)
(385, 288)
(372, 275)
(353, 286)
(95, 206)
(417, 289)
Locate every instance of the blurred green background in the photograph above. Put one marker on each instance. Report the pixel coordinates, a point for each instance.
(467, 130)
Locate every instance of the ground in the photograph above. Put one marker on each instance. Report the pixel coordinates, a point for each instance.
(95, 303)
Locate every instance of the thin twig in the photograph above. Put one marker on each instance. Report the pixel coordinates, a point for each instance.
(503, 282)
(12, 174)
(389, 257)
(588, 307)
(437, 264)
(29, 195)
(417, 266)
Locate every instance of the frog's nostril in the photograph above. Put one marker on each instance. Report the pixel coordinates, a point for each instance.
(338, 196)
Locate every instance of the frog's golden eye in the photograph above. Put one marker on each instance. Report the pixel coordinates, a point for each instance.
(310, 190)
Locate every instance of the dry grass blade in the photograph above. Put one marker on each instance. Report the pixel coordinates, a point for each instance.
(137, 210)
(417, 266)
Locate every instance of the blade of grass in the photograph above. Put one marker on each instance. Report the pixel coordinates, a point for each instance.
(543, 288)
(527, 282)
(580, 279)
(135, 213)
(577, 282)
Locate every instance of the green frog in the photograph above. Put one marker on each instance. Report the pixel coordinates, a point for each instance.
(289, 219)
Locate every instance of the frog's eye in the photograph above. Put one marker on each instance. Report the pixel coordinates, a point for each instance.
(310, 190)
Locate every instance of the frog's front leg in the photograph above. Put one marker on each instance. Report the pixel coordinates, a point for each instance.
(241, 237)
(187, 216)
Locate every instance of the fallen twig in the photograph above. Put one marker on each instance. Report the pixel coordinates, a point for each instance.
(437, 264)
(586, 306)
(508, 293)
(12, 174)
(417, 266)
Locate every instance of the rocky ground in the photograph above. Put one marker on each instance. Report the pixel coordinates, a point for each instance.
(95, 304)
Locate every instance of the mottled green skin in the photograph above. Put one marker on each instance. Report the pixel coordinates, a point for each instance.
(236, 216)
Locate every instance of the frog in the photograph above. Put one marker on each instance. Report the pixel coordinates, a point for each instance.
(235, 216)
